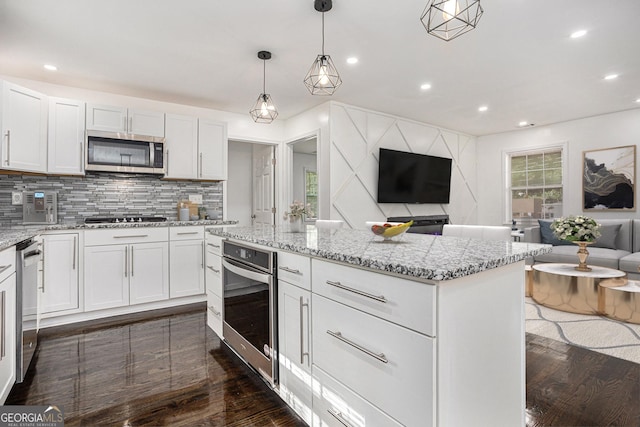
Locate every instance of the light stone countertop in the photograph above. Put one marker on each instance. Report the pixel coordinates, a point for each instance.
(421, 256)
(13, 235)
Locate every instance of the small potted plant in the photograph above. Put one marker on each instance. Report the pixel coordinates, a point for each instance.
(580, 230)
(295, 215)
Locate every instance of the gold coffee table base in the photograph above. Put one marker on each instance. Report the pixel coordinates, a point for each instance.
(562, 287)
(620, 301)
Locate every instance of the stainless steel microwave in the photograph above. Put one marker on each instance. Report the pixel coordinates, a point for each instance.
(124, 152)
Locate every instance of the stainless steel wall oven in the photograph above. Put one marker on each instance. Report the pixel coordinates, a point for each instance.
(250, 315)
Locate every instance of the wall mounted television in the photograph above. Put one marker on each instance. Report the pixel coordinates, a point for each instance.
(413, 178)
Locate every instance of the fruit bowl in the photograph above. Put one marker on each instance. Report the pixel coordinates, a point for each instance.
(389, 230)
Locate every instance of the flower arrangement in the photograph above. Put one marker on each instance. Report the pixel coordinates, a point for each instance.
(297, 210)
(577, 228)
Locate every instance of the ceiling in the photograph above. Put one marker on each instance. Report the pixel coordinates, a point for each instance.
(519, 61)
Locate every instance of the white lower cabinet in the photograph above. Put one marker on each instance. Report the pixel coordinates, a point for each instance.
(7, 321)
(60, 290)
(294, 341)
(214, 313)
(187, 261)
(134, 272)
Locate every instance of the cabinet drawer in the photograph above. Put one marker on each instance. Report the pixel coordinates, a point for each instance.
(335, 405)
(214, 313)
(7, 262)
(295, 269)
(120, 236)
(407, 303)
(388, 365)
(186, 233)
(214, 244)
(213, 274)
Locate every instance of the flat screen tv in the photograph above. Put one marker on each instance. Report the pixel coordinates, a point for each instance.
(413, 178)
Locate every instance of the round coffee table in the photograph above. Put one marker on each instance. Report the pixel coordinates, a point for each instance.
(620, 301)
(562, 287)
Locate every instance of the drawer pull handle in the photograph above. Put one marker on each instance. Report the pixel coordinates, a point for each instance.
(213, 269)
(214, 246)
(338, 416)
(379, 298)
(214, 311)
(4, 267)
(290, 270)
(379, 356)
(186, 232)
(131, 237)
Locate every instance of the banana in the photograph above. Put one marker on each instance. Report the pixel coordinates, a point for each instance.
(396, 229)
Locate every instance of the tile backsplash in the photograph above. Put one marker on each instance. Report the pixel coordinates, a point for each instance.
(108, 194)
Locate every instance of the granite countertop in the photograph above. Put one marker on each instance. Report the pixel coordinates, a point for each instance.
(417, 255)
(13, 235)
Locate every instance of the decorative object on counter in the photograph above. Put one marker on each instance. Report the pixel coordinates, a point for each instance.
(184, 213)
(264, 111)
(448, 19)
(191, 210)
(389, 231)
(202, 212)
(322, 78)
(608, 181)
(295, 215)
(580, 230)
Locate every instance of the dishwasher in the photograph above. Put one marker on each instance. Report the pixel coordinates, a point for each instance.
(28, 255)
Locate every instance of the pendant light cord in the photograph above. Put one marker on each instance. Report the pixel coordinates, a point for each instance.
(264, 75)
(322, 33)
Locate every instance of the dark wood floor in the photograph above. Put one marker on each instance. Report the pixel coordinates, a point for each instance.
(174, 371)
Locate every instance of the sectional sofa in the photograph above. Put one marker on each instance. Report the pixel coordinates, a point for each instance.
(618, 247)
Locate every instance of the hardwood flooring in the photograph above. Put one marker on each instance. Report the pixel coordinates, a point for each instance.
(174, 371)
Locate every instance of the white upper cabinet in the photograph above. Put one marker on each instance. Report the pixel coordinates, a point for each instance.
(66, 136)
(181, 133)
(24, 129)
(212, 145)
(120, 119)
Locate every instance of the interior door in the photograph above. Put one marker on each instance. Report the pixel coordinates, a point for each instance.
(263, 211)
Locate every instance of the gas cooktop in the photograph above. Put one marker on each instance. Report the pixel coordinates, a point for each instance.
(123, 219)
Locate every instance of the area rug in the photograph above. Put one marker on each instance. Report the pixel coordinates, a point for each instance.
(595, 333)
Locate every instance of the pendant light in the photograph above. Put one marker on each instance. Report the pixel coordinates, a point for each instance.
(448, 19)
(264, 111)
(322, 78)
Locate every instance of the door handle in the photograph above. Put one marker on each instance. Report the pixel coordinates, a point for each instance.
(8, 135)
(339, 285)
(131, 261)
(213, 269)
(379, 356)
(74, 252)
(126, 260)
(302, 352)
(290, 270)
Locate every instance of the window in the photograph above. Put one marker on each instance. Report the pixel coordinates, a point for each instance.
(311, 191)
(535, 188)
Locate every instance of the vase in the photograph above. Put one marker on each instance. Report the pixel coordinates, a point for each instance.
(583, 253)
(296, 225)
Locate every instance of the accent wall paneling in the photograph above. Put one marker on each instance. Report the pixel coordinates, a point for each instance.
(356, 137)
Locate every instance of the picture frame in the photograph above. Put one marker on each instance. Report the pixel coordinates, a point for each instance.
(608, 179)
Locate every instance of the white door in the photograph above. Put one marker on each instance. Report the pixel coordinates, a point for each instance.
(66, 136)
(263, 185)
(212, 147)
(106, 277)
(142, 122)
(187, 268)
(181, 133)
(60, 290)
(106, 118)
(149, 272)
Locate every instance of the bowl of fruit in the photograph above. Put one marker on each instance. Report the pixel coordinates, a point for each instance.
(390, 230)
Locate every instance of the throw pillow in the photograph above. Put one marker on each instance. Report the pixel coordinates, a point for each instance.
(608, 234)
(546, 234)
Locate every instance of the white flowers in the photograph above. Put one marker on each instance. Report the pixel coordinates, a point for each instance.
(296, 210)
(577, 228)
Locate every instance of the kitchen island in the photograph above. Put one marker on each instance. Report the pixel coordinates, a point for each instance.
(418, 331)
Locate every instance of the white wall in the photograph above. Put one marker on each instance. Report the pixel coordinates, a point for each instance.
(356, 137)
(606, 131)
(239, 188)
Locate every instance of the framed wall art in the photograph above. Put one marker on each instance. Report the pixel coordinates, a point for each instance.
(609, 177)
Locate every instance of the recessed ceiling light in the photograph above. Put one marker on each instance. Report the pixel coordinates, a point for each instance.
(577, 34)
(611, 77)
(50, 67)
(352, 60)
(523, 123)
(483, 108)
(638, 100)
(425, 86)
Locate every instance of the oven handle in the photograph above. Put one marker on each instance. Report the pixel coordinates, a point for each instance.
(243, 271)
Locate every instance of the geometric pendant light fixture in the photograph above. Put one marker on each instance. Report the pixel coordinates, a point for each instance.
(322, 78)
(448, 19)
(264, 111)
